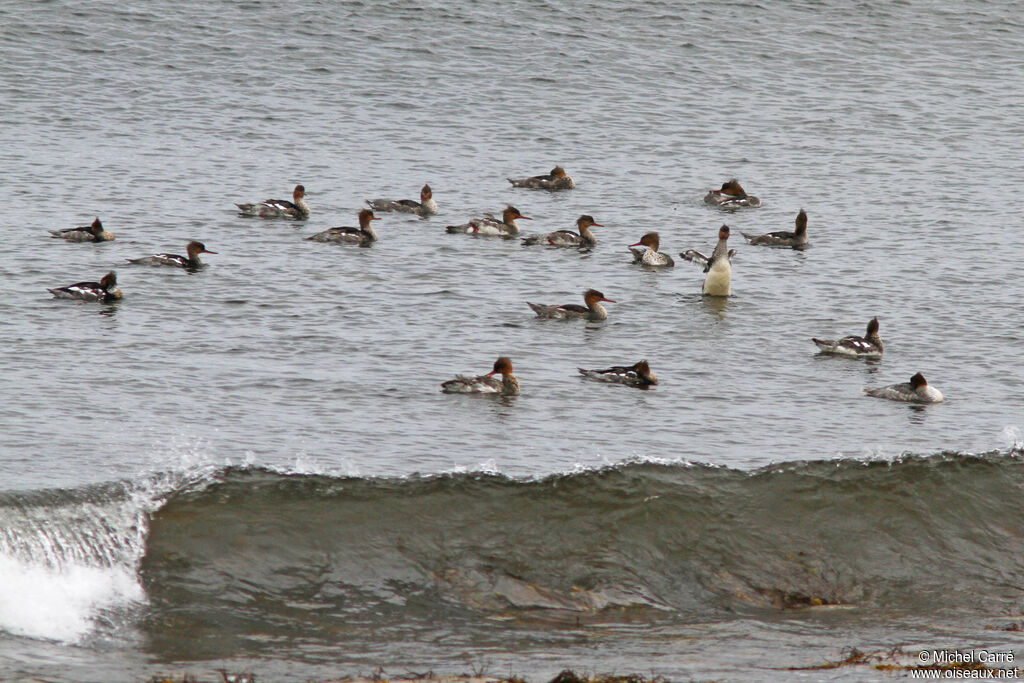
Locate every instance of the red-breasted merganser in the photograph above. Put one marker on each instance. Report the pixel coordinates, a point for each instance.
(426, 206)
(85, 233)
(363, 235)
(731, 196)
(489, 225)
(279, 208)
(868, 346)
(636, 375)
(796, 239)
(508, 385)
(648, 253)
(916, 391)
(190, 262)
(105, 291)
(593, 311)
(567, 238)
(718, 269)
(556, 180)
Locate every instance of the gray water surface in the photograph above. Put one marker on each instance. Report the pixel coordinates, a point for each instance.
(896, 127)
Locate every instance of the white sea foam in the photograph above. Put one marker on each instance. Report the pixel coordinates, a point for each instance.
(60, 604)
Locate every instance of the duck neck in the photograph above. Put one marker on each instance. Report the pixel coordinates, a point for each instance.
(721, 250)
(587, 236)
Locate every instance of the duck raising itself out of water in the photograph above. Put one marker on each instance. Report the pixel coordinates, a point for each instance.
(556, 180)
(593, 311)
(796, 239)
(648, 254)
(489, 225)
(718, 267)
(508, 385)
(917, 390)
(86, 233)
(731, 196)
(636, 375)
(426, 206)
(279, 208)
(190, 262)
(868, 346)
(364, 235)
(584, 239)
(105, 291)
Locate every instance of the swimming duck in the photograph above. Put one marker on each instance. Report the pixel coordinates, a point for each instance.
(796, 239)
(105, 291)
(731, 196)
(593, 311)
(489, 225)
(648, 253)
(279, 208)
(567, 238)
(717, 267)
(556, 180)
(426, 206)
(508, 385)
(190, 262)
(364, 235)
(636, 375)
(868, 346)
(85, 233)
(916, 391)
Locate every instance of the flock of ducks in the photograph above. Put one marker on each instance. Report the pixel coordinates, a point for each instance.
(717, 268)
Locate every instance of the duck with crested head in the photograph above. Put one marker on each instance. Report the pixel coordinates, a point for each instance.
(593, 311)
(489, 225)
(556, 180)
(93, 232)
(105, 291)
(718, 281)
(868, 346)
(364, 235)
(731, 196)
(279, 208)
(508, 385)
(190, 262)
(647, 254)
(637, 375)
(426, 206)
(917, 390)
(584, 239)
(796, 239)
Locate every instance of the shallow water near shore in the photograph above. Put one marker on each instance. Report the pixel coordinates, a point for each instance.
(252, 466)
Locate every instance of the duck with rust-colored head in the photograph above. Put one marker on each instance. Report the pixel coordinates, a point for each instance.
(731, 196)
(593, 311)
(718, 281)
(647, 254)
(190, 262)
(93, 232)
(868, 346)
(796, 239)
(105, 291)
(489, 225)
(426, 206)
(508, 385)
(636, 375)
(584, 239)
(917, 390)
(364, 235)
(279, 208)
(556, 180)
